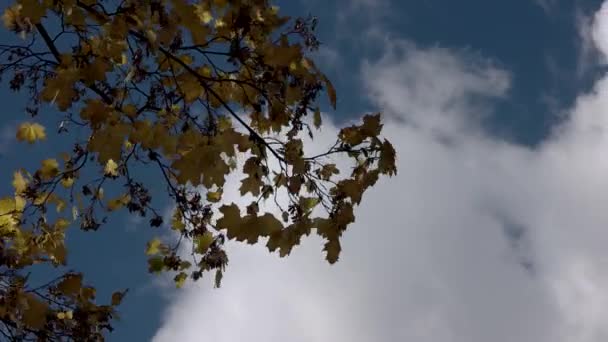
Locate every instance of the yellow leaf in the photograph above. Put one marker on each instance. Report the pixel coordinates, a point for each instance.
(202, 242)
(111, 168)
(19, 182)
(119, 202)
(214, 196)
(67, 182)
(151, 35)
(30, 132)
(60, 204)
(153, 247)
(220, 23)
(204, 15)
(11, 16)
(65, 315)
(180, 279)
(62, 224)
(8, 215)
(176, 221)
(50, 168)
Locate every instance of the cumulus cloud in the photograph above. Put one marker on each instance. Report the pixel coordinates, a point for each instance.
(475, 240)
(599, 31)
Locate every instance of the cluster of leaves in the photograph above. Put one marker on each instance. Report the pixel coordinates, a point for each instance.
(187, 88)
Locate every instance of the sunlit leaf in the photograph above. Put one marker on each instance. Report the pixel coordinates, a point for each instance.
(31, 132)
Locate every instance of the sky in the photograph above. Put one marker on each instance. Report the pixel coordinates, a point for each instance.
(494, 228)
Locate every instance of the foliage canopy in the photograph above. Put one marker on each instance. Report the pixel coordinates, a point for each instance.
(185, 88)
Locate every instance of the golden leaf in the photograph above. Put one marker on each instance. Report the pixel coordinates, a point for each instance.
(67, 181)
(153, 246)
(202, 242)
(49, 169)
(30, 132)
(111, 168)
(19, 182)
(119, 202)
(11, 16)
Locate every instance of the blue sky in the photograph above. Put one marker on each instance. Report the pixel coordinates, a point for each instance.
(500, 224)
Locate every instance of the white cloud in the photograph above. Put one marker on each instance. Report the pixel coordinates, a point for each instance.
(429, 258)
(599, 31)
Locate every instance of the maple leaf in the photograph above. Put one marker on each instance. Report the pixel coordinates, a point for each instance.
(154, 246)
(49, 169)
(11, 17)
(19, 182)
(202, 242)
(33, 10)
(111, 168)
(71, 284)
(119, 202)
(248, 228)
(34, 315)
(147, 105)
(30, 132)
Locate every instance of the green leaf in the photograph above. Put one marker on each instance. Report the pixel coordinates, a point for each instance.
(156, 264)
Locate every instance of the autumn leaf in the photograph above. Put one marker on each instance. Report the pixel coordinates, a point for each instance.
(19, 182)
(117, 297)
(11, 16)
(202, 242)
(248, 228)
(317, 119)
(119, 202)
(214, 196)
(71, 284)
(180, 279)
(332, 248)
(49, 169)
(67, 182)
(111, 168)
(34, 315)
(31, 132)
(182, 92)
(331, 91)
(153, 246)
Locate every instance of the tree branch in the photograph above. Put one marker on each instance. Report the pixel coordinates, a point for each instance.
(49, 42)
